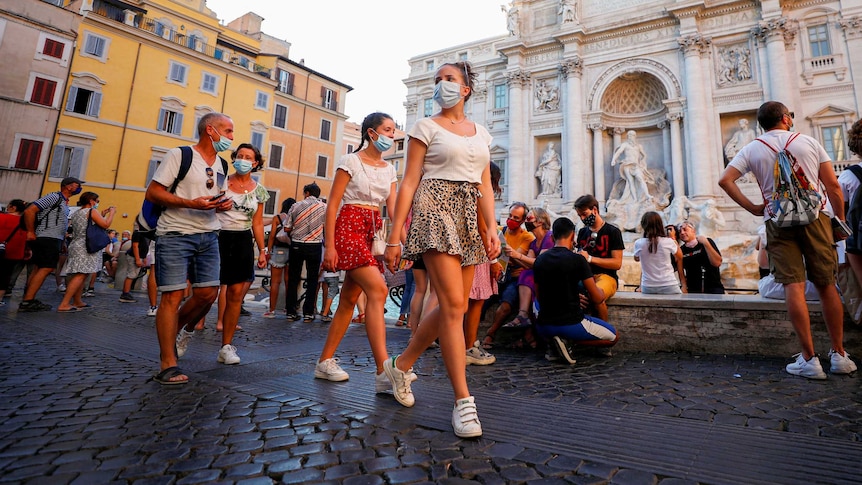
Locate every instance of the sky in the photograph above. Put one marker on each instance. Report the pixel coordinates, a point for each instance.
(366, 45)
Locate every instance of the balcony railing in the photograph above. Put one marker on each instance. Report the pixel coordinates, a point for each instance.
(166, 32)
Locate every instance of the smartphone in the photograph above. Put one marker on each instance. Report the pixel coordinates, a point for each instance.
(841, 227)
(217, 197)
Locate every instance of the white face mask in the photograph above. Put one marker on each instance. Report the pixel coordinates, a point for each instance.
(447, 93)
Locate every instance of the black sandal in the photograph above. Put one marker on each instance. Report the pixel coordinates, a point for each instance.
(164, 377)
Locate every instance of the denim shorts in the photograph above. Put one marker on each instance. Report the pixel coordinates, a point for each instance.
(279, 257)
(332, 282)
(192, 257)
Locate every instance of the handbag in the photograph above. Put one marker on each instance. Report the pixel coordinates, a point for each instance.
(96, 237)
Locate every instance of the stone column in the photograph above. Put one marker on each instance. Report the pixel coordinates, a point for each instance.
(665, 151)
(517, 163)
(697, 134)
(779, 35)
(576, 167)
(599, 163)
(676, 154)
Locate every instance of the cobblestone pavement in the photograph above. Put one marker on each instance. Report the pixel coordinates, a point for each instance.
(78, 407)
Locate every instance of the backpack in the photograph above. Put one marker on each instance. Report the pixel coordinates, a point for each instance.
(148, 218)
(795, 201)
(43, 217)
(281, 235)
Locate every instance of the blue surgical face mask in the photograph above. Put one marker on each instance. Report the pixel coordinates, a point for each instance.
(447, 93)
(78, 190)
(222, 144)
(382, 142)
(96, 205)
(241, 166)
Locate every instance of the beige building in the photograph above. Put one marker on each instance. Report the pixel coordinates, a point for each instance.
(37, 41)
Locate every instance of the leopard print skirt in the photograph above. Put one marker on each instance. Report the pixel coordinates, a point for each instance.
(444, 219)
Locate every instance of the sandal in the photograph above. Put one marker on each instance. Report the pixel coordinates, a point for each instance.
(520, 321)
(358, 318)
(488, 342)
(402, 321)
(164, 377)
(325, 318)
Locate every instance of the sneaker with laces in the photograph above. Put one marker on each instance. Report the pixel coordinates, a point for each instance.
(268, 314)
(563, 349)
(152, 311)
(381, 383)
(227, 355)
(465, 419)
(400, 382)
(89, 292)
(61, 288)
(330, 370)
(183, 341)
(479, 356)
(841, 364)
(33, 306)
(810, 368)
(127, 298)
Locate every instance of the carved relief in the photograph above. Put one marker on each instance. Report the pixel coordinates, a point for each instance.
(733, 65)
(852, 26)
(547, 96)
(568, 11)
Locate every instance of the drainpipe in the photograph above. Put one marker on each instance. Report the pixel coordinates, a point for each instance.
(126, 120)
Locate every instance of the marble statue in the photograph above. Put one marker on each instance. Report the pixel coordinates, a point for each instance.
(512, 21)
(706, 217)
(633, 169)
(549, 171)
(741, 137)
(639, 189)
(569, 11)
(678, 210)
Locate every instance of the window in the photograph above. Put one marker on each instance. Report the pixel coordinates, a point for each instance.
(275, 153)
(501, 96)
(177, 73)
(429, 107)
(269, 206)
(257, 140)
(818, 38)
(43, 91)
(208, 83)
(399, 145)
(280, 118)
(462, 56)
(53, 48)
(262, 100)
(330, 98)
(192, 41)
(322, 163)
(325, 128)
(151, 170)
(29, 153)
(95, 46)
(84, 101)
(350, 147)
(170, 122)
(66, 162)
(833, 142)
(285, 81)
(429, 66)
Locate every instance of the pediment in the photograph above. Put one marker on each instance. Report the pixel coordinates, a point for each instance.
(831, 111)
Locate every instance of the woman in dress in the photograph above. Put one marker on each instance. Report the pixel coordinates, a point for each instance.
(241, 230)
(447, 176)
(654, 251)
(363, 182)
(80, 263)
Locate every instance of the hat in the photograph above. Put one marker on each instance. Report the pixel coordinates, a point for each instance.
(70, 180)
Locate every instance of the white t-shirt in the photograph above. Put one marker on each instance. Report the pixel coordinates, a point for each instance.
(368, 185)
(760, 160)
(656, 269)
(453, 157)
(239, 217)
(194, 185)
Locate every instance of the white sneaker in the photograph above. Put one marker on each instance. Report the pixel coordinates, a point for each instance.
(806, 368)
(841, 364)
(330, 370)
(227, 355)
(268, 314)
(465, 419)
(381, 383)
(61, 288)
(183, 341)
(400, 382)
(152, 311)
(479, 356)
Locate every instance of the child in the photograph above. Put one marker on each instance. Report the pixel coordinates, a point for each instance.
(652, 252)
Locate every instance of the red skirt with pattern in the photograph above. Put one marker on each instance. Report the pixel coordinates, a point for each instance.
(354, 231)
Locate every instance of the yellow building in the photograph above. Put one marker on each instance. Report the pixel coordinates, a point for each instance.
(145, 72)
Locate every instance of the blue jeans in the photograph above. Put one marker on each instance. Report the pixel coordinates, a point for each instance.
(192, 257)
(310, 256)
(409, 289)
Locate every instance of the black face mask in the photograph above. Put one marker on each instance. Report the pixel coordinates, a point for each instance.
(530, 226)
(589, 220)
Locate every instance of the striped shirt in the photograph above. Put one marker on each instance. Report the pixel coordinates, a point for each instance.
(305, 221)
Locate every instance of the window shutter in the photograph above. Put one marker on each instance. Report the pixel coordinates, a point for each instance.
(95, 104)
(73, 95)
(178, 124)
(57, 161)
(161, 124)
(323, 94)
(334, 105)
(290, 79)
(77, 162)
(151, 170)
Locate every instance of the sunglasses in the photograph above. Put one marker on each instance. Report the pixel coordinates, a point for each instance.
(210, 181)
(791, 114)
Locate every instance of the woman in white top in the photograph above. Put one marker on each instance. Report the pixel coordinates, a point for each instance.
(363, 182)
(241, 229)
(652, 251)
(447, 176)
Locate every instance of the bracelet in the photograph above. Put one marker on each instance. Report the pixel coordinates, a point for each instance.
(589, 258)
(264, 250)
(390, 245)
(493, 261)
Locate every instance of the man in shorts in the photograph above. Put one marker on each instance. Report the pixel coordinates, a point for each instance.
(187, 245)
(797, 252)
(46, 221)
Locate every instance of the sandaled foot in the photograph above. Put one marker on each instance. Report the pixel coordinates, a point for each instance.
(521, 321)
(488, 342)
(171, 376)
(359, 318)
